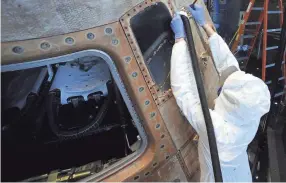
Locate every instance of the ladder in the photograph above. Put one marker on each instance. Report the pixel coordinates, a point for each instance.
(252, 34)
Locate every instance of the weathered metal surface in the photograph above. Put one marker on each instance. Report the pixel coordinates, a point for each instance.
(29, 19)
(169, 172)
(159, 96)
(168, 132)
(178, 126)
(190, 156)
(159, 140)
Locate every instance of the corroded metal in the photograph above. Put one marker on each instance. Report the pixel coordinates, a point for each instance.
(171, 151)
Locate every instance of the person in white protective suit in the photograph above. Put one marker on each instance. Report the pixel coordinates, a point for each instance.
(243, 100)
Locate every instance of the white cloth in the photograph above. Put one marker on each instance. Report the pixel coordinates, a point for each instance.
(236, 115)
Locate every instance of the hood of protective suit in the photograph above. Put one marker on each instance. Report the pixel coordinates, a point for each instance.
(244, 99)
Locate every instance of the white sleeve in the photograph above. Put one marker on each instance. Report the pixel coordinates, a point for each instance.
(223, 58)
(184, 86)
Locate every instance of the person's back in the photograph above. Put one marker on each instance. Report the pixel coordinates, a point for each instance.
(238, 109)
(236, 117)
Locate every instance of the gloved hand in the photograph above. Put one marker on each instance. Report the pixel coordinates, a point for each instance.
(198, 14)
(178, 26)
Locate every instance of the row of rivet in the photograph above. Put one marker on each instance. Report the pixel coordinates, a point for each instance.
(68, 40)
(141, 65)
(143, 69)
(141, 89)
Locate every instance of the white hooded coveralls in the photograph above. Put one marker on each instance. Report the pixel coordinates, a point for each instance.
(236, 115)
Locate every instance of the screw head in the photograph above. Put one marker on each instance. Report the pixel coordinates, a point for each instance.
(158, 126)
(134, 74)
(115, 41)
(18, 49)
(141, 89)
(147, 102)
(69, 40)
(127, 59)
(108, 30)
(90, 36)
(45, 45)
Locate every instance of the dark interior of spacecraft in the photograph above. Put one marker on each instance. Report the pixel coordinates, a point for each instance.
(72, 122)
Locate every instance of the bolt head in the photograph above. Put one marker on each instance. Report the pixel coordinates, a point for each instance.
(108, 30)
(69, 40)
(134, 74)
(45, 45)
(90, 36)
(18, 49)
(127, 59)
(115, 41)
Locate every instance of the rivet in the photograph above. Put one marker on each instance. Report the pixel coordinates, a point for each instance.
(162, 136)
(122, 20)
(167, 157)
(128, 14)
(141, 89)
(136, 177)
(162, 146)
(147, 173)
(115, 41)
(90, 36)
(69, 40)
(45, 45)
(108, 30)
(127, 59)
(154, 164)
(158, 126)
(152, 114)
(134, 74)
(147, 102)
(18, 49)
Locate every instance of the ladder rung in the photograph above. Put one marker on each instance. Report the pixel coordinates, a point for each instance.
(247, 36)
(271, 48)
(252, 23)
(258, 8)
(242, 58)
(274, 12)
(274, 30)
(269, 82)
(279, 94)
(272, 65)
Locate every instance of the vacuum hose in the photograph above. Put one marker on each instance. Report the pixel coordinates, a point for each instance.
(203, 99)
